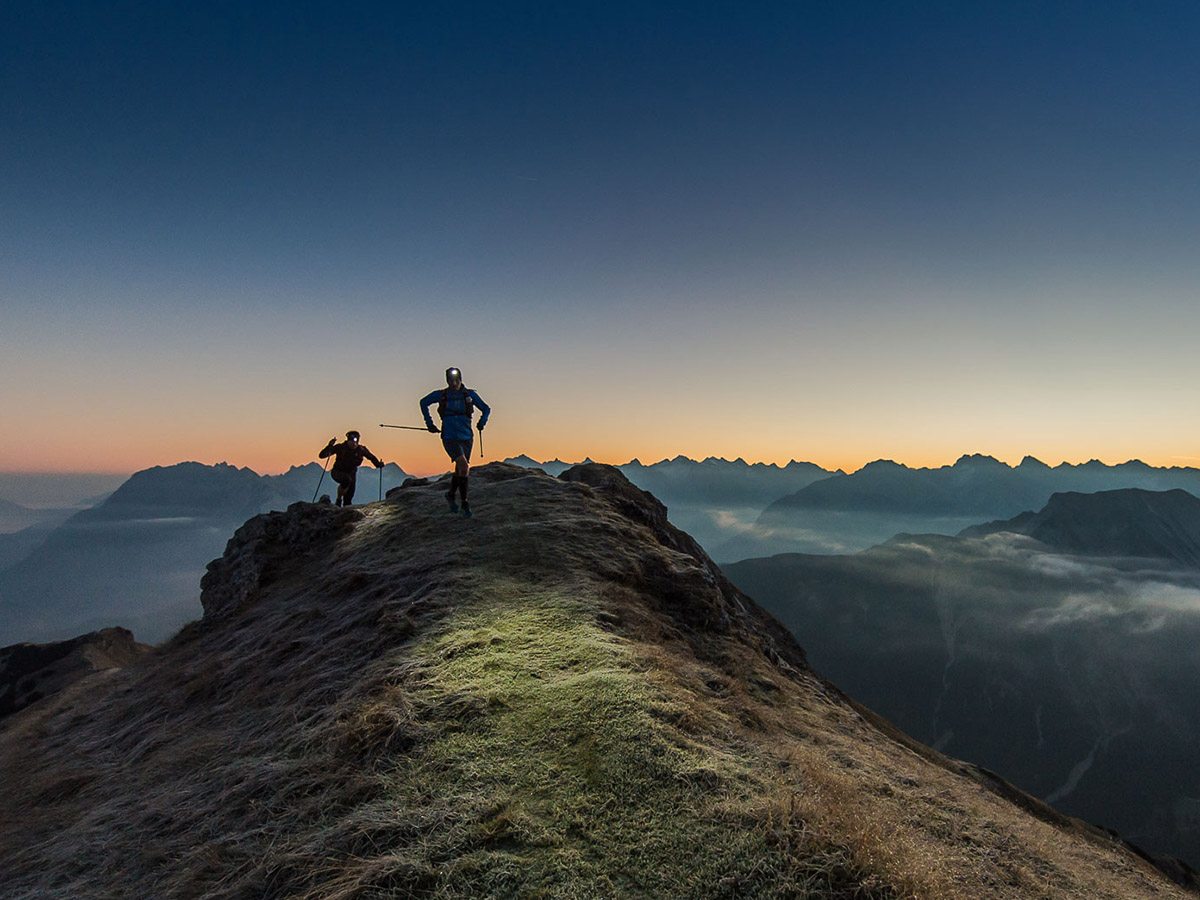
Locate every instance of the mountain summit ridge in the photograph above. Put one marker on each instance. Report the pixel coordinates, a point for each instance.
(562, 696)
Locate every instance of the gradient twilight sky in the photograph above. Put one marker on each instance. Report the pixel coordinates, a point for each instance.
(832, 231)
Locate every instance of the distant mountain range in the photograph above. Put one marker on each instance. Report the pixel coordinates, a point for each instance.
(975, 485)
(58, 490)
(1059, 648)
(58, 579)
(847, 513)
(135, 560)
(711, 481)
(164, 525)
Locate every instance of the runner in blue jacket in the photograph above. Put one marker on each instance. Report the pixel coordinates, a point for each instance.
(455, 405)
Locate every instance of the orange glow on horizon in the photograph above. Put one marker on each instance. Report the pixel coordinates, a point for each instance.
(430, 460)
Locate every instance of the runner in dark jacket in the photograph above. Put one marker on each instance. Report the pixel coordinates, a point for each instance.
(455, 405)
(347, 457)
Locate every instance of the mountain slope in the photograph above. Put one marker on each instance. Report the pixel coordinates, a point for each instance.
(18, 545)
(560, 697)
(1133, 522)
(1072, 674)
(15, 517)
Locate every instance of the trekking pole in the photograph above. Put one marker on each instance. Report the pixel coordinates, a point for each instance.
(320, 480)
(481, 443)
(381, 482)
(405, 427)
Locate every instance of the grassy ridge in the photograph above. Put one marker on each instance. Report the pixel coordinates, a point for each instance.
(543, 756)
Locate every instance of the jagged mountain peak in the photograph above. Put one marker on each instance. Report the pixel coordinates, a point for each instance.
(523, 459)
(976, 487)
(979, 460)
(883, 465)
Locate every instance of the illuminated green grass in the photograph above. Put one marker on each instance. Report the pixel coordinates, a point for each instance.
(545, 762)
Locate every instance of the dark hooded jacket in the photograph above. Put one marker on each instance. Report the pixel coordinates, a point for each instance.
(348, 457)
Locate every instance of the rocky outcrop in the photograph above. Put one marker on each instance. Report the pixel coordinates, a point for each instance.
(267, 545)
(31, 672)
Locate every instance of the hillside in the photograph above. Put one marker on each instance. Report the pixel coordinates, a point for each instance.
(1151, 524)
(14, 517)
(561, 697)
(1059, 649)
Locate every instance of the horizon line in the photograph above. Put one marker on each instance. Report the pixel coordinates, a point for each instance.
(632, 460)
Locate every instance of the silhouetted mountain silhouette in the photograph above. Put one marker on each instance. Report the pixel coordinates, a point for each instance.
(975, 485)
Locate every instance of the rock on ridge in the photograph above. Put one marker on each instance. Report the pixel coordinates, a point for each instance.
(266, 545)
(31, 672)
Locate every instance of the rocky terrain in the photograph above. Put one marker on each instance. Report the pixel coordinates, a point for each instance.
(32, 672)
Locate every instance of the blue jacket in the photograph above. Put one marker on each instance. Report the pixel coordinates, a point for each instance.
(456, 423)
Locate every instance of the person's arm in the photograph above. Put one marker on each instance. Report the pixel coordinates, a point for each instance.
(483, 407)
(329, 449)
(373, 458)
(427, 401)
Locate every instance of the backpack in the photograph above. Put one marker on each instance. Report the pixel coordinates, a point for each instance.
(468, 403)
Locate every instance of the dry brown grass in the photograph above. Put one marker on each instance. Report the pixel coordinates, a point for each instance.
(903, 821)
(877, 837)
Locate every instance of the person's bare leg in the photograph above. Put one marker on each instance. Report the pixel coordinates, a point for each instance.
(452, 493)
(462, 468)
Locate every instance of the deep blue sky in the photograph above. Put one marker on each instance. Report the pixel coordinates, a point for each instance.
(929, 227)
